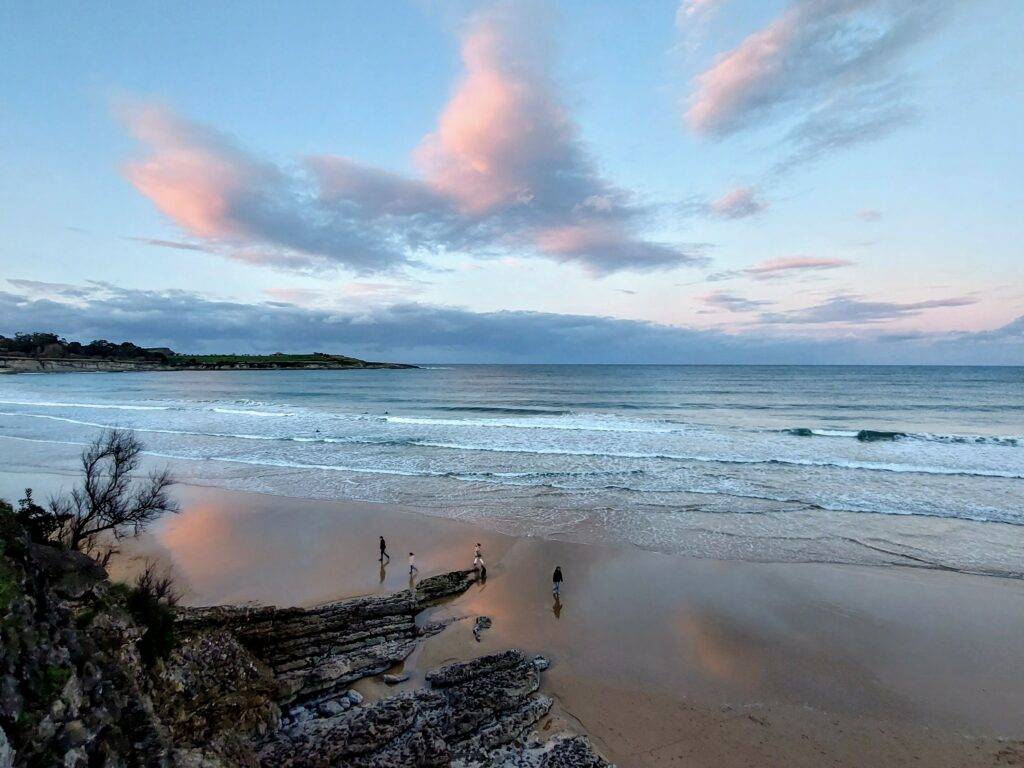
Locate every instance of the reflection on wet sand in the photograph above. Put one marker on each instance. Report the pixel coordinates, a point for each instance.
(657, 654)
(719, 654)
(229, 547)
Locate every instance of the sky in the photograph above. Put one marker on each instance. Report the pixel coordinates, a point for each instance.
(697, 181)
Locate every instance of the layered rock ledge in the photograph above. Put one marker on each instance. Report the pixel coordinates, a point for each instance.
(316, 653)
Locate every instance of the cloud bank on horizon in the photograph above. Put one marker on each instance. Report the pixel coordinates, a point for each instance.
(412, 331)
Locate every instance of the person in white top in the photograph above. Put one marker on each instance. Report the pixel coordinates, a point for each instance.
(412, 564)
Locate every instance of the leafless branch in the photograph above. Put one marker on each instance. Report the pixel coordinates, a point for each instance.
(109, 503)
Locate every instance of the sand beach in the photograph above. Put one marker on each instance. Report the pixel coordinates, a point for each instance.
(661, 659)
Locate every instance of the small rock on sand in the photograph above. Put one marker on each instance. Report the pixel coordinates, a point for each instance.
(482, 623)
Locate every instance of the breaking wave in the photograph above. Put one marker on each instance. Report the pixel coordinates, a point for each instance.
(869, 435)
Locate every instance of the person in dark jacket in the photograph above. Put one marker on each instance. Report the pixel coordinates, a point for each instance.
(557, 580)
(384, 550)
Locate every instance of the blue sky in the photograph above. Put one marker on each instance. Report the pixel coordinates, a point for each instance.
(793, 178)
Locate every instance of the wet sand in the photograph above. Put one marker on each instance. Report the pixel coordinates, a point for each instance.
(663, 660)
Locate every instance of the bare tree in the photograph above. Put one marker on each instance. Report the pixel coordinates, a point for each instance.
(110, 502)
(157, 584)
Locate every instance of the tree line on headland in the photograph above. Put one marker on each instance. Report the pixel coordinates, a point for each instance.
(51, 347)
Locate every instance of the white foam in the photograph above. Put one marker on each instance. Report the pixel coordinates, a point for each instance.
(148, 430)
(727, 459)
(247, 412)
(328, 467)
(104, 406)
(576, 424)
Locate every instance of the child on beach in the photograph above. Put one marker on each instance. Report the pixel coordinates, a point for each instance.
(412, 564)
(557, 580)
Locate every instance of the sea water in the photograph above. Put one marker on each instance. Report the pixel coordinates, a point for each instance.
(763, 462)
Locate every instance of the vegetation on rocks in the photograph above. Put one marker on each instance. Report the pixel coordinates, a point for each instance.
(52, 345)
(48, 351)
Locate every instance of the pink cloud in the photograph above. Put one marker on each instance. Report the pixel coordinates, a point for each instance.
(376, 191)
(848, 309)
(503, 129)
(738, 203)
(504, 170)
(817, 56)
(773, 268)
(245, 208)
(191, 176)
(731, 303)
(738, 77)
(505, 148)
(601, 246)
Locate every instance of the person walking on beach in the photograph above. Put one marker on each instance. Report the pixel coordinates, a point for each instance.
(412, 564)
(384, 550)
(478, 563)
(557, 580)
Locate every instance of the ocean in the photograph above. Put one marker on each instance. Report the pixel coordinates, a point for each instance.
(896, 465)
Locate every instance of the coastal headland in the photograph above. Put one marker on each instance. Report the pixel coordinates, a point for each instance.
(49, 353)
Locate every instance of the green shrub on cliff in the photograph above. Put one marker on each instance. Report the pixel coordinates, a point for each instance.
(150, 602)
(51, 345)
(40, 522)
(9, 586)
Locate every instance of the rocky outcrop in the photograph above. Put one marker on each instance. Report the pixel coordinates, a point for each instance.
(70, 365)
(244, 687)
(6, 753)
(316, 654)
(73, 686)
(476, 714)
(481, 623)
